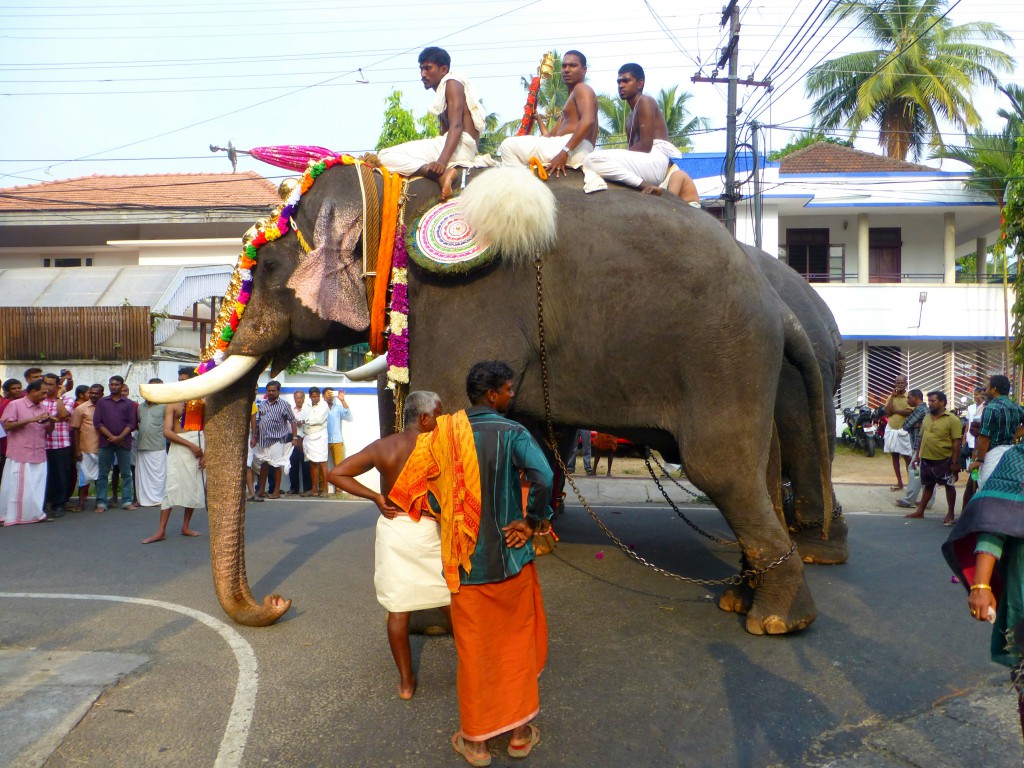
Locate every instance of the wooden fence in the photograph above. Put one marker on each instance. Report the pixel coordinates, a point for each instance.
(75, 333)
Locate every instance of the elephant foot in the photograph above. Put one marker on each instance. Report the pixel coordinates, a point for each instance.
(782, 602)
(737, 599)
(816, 550)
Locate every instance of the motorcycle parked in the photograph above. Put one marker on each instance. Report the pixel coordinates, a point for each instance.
(860, 427)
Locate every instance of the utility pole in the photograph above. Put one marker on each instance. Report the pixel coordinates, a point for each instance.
(731, 54)
(754, 125)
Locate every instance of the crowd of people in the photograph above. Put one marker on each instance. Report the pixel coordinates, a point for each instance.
(59, 440)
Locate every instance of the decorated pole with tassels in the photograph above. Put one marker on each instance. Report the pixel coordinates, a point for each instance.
(544, 71)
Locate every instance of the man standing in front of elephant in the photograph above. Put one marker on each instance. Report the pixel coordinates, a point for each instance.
(274, 436)
(471, 463)
(337, 412)
(460, 117)
(575, 132)
(645, 164)
(407, 553)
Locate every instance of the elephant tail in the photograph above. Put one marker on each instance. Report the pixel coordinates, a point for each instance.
(800, 353)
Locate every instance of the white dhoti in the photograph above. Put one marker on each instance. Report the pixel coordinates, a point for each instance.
(23, 491)
(407, 565)
(409, 157)
(628, 167)
(150, 477)
(88, 469)
(897, 441)
(314, 444)
(186, 486)
(276, 454)
(516, 151)
(987, 467)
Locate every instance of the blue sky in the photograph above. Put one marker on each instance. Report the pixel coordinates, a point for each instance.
(115, 87)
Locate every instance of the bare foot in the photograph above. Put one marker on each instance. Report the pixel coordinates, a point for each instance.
(446, 182)
(190, 532)
(406, 690)
(151, 539)
(100, 510)
(274, 496)
(915, 515)
(651, 189)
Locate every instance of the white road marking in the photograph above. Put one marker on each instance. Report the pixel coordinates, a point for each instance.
(244, 704)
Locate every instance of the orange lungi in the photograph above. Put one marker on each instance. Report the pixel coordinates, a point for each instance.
(501, 635)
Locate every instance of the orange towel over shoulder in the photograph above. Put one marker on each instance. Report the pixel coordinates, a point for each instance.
(444, 463)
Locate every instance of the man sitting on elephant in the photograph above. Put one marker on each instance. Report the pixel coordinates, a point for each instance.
(461, 119)
(575, 132)
(407, 554)
(645, 164)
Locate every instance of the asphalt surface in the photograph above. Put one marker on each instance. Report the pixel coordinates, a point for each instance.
(117, 654)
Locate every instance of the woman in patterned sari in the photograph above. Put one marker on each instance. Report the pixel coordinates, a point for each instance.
(986, 550)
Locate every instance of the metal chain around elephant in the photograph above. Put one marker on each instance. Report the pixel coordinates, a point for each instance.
(685, 519)
(735, 580)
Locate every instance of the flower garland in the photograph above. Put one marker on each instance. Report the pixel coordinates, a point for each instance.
(240, 287)
(398, 341)
(530, 110)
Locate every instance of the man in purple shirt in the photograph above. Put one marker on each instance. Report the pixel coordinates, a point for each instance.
(114, 419)
(26, 421)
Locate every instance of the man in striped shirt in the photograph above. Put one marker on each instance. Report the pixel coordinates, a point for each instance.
(1000, 426)
(58, 447)
(274, 436)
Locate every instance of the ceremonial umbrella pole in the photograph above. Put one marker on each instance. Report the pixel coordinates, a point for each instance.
(544, 71)
(294, 157)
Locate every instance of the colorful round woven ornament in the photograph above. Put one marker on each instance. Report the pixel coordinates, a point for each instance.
(441, 241)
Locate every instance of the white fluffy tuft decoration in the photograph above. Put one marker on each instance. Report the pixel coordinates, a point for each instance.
(512, 210)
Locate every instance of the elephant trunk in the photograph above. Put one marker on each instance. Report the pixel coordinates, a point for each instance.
(227, 419)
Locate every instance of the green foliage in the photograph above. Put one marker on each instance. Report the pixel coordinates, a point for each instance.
(301, 364)
(429, 126)
(806, 139)
(1013, 240)
(924, 70)
(613, 111)
(399, 123)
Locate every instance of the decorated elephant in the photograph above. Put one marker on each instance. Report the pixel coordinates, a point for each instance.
(688, 363)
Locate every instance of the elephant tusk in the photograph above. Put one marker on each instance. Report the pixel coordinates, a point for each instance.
(214, 380)
(370, 371)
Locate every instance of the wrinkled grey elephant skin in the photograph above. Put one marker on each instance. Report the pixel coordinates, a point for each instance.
(652, 313)
(800, 460)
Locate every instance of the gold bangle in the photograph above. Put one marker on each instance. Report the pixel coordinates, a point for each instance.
(980, 586)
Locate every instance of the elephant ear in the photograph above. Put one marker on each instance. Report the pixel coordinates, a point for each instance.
(329, 279)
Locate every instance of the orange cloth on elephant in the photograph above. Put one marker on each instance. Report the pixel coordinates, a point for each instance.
(444, 463)
(192, 416)
(501, 636)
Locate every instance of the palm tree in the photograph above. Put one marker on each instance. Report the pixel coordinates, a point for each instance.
(677, 116)
(613, 111)
(924, 70)
(611, 116)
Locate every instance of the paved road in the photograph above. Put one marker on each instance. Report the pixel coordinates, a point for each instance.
(117, 654)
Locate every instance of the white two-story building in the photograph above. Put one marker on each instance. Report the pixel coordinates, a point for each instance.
(879, 240)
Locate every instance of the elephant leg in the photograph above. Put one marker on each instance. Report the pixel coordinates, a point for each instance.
(728, 462)
(774, 476)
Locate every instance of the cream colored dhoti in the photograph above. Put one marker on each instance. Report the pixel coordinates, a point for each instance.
(516, 151)
(407, 565)
(186, 484)
(628, 167)
(150, 477)
(409, 157)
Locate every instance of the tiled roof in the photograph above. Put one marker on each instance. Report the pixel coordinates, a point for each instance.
(832, 158)
(146, 192)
